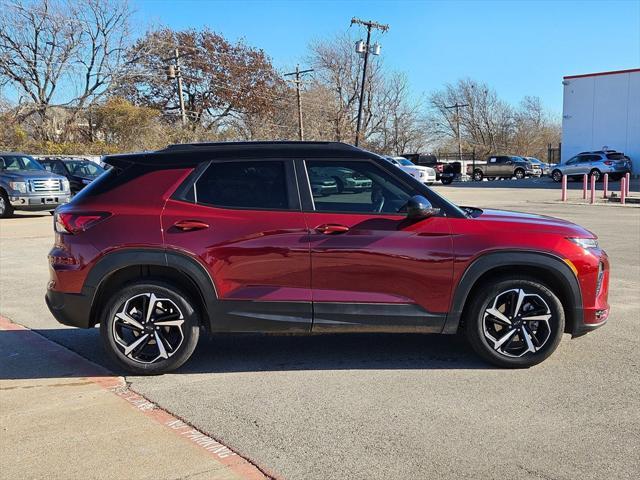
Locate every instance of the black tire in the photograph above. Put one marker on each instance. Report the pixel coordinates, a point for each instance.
(519, 173)
(113, 330)
(596, 173)
(446, 180)
(340, 184)
(477, 175)
(517, 353)
(6, 210)
(556, 175)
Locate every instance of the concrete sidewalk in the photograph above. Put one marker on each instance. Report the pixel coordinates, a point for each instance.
(62, 416)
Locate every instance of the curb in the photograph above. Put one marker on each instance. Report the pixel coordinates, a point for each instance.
(117, 386)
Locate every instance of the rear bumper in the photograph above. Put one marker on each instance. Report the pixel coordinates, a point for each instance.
(72, 309)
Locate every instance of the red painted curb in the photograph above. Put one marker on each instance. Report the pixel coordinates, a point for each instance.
(117, 386)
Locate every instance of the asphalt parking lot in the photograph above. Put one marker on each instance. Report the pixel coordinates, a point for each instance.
(396, 406)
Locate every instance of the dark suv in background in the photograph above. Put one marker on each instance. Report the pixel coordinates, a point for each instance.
(229, 237)
(79, 171)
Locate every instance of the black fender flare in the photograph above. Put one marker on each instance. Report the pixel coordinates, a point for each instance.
(181, 262)
(552, 264)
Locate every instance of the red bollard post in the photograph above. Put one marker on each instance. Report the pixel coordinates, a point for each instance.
(623, 190)
(564, 188)
(592, 198)
(584, 186)
(605, 183)
(628, 182)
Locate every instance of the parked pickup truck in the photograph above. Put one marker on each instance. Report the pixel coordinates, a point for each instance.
(26, 185)
(504, 166)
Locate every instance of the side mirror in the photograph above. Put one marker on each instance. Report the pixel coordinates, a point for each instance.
(419, 207)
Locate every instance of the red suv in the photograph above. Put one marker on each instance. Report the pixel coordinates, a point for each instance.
(232, 237)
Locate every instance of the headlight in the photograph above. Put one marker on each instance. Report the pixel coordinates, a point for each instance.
(65, 185)
(19, 186)
(584, 242)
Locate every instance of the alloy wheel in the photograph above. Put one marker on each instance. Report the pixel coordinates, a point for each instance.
(556, 175)
(517, 322)
(3, 205)
(148, 329)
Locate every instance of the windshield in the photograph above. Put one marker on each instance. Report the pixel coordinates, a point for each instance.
(405, 162)
(83, 168)
(19, 162)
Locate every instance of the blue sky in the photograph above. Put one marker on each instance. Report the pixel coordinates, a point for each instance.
(518, 47)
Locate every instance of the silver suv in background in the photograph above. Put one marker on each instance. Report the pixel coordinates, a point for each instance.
(26, 185)
(594, 164)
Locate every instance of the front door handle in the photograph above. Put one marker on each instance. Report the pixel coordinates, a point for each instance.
(331, 229)
(190, 225)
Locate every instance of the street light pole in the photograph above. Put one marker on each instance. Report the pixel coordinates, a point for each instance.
(369, 25)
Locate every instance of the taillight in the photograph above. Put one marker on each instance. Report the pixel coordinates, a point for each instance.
(608, 162)
(77, 222)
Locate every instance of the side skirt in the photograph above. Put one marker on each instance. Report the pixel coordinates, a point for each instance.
(375, 317)
(246, 316)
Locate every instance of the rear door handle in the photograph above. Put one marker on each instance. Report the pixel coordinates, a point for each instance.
(331, 229)
(190, 225)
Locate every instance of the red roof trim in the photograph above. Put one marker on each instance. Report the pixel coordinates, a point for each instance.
(598, 74)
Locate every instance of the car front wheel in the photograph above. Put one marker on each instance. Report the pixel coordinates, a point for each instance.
(514, 323)
(478, 175)
(556, 175)
(6, 210)
(150, 327)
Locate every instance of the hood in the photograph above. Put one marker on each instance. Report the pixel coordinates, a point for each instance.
(508, 220)
(27, 174)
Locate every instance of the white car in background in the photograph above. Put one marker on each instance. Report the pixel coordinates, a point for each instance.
(422, 174)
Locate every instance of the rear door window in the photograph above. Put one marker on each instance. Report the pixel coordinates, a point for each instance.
(255, 185)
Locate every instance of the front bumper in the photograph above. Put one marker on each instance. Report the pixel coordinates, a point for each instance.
(72, 309)
(47, 201)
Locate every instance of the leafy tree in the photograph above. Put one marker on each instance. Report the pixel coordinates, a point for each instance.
(221, 80)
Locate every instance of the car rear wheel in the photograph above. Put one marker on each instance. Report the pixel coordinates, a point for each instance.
(446, 180)
(556, 175)
(595, 173)
(478, 175)
(6, 210)
(150, 327)
(519, 173)
(514, 323)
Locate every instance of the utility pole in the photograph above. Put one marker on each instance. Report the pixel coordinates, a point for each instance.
(364, 49)
(458, 106)
(298, 73)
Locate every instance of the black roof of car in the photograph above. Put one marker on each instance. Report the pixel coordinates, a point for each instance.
(186, 154)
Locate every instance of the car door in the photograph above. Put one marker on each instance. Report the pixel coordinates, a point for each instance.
(241, 219)
(372, 270)
(587, 163)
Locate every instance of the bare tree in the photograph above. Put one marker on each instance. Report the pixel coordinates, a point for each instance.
(61, 53)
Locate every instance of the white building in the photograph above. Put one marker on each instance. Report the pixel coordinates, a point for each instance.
(602, 110)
